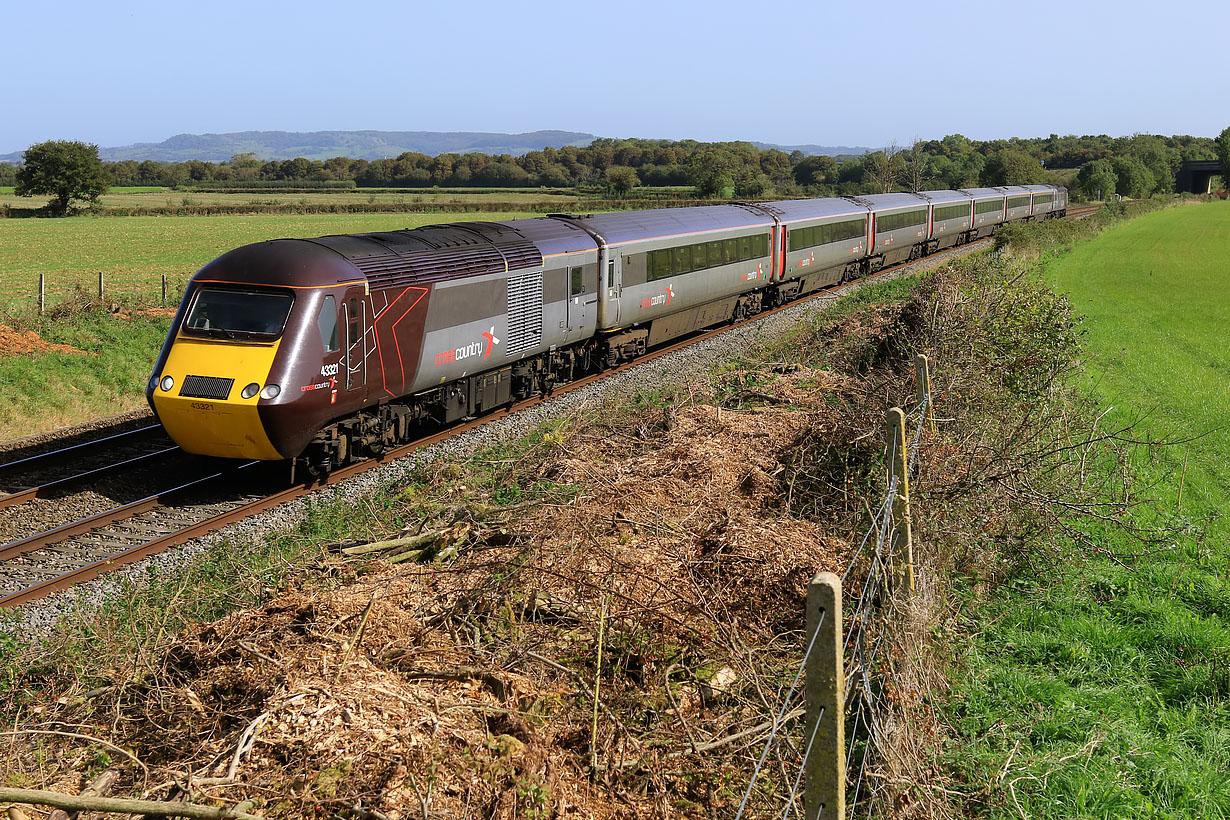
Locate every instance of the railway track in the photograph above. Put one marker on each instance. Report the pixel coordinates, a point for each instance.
(53, 472)
(51, 560)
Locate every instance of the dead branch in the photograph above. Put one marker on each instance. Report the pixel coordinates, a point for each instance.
(98, 787)
(111, 805)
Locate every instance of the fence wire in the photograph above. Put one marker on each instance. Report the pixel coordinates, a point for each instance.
(862, 645)
(20, 292)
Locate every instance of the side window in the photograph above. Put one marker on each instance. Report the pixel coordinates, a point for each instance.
(683, 260)
(577, 286)
(353, 315)
(326, 323)
(699, 257)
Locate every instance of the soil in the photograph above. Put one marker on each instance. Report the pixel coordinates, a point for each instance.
(27, 342)
(668, 543)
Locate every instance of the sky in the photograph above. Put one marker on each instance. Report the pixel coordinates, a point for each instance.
(855, 73)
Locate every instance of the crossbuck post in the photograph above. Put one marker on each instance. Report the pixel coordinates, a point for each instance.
(825, 796)
(902, 539)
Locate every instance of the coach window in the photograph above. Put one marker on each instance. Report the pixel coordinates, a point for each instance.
(610, 274)
(354, 321)
(326, 323)
(682, 259)
(577, 287)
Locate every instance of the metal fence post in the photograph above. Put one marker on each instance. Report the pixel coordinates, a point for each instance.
(42, 293)
(825, 796)
(902, 538)
(922, 374)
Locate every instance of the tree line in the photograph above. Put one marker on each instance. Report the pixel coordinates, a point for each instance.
(1093, 166)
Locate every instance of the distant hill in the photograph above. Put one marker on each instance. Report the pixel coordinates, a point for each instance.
(321, 145)
(369, 145)
(812, 150)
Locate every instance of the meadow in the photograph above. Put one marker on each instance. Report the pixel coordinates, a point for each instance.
(134, 252)
(1096, 681)
(153, 197)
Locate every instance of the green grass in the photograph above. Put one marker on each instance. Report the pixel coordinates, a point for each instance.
(1099, 685)
(1157, 293)
(134, 252)
(56, 389)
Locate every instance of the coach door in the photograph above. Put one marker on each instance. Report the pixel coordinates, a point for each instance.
(582, 301)
(355, 310)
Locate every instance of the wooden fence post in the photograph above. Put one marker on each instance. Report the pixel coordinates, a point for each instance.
(42, 293)
(922, 379)
(825, 795)
(164, 288)
(901, 538)
(100, 286)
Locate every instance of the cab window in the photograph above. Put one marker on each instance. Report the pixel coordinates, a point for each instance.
(326, 323)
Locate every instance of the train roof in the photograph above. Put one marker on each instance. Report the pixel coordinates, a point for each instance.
(982, 193)
(622, 227)
(793, 210)
(944, 197)
(553, 236)
(885, 202)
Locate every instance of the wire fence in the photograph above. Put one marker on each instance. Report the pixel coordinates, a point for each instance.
(50, 291)
(827, 776)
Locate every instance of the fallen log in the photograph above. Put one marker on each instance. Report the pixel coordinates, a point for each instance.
(112, 805)
(98, 787)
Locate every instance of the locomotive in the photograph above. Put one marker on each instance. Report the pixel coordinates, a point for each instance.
(334, 348)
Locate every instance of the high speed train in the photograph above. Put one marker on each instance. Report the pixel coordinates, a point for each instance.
(328, 349)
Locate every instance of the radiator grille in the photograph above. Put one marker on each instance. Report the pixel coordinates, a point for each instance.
(524, 312)
(206, 387)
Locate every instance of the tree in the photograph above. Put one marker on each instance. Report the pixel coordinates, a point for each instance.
(882, 168)
(1011, 167)
(1222, 146)
(712, 172)
(1097, 179)
(914, 171)
(815, 170)
(66, 170)
(1134, 179)
(621, 179)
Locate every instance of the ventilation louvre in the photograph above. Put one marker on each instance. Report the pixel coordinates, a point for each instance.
(524, 312)
(206, 387)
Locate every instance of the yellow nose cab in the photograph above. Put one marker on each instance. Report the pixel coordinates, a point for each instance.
(242, 372)
(217, 370)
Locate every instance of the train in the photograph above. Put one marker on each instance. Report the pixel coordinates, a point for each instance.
(325, 350)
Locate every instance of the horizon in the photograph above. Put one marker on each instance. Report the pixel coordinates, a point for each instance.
(147, 69)
(868, 148)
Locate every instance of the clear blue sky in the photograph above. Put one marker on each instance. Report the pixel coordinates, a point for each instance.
(789, 73)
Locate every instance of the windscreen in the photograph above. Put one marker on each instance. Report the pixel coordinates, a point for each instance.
(234, 314)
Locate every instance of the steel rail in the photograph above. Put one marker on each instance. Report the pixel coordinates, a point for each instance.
(54, 456)
(217, 522)
(43, 490)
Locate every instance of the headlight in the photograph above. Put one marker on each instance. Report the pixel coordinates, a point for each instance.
(250, 390)
(166, 384)
(153, 382)
(271, 391)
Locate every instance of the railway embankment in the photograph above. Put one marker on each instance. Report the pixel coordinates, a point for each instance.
(595, 616)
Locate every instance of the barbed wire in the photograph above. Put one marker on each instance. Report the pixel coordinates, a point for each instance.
(861, 647)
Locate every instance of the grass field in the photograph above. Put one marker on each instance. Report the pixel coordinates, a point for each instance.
(1098, 684)
(134, 252)
(165, 197)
